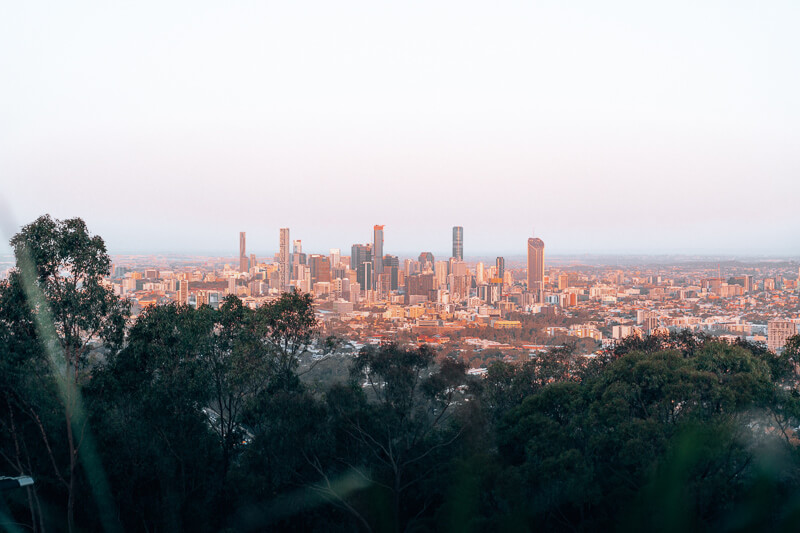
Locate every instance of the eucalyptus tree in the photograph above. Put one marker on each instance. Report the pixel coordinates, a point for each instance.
(396, 425)
(56, 304)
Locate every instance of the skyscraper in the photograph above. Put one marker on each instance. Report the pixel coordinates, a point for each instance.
(479, 272)
(284, 265)
(391, 265)
(364, 275)
(424, 259)
(377, 252)
(242, 253)
(336, 255)
(298, 258)
(320, 268)
(458, 243)
(359, 254)
(500, 265)
(536, 267)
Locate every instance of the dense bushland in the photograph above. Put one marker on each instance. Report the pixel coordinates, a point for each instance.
(200, 420)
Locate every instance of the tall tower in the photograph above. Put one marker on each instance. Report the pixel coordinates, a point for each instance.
(500, 265)
(536, 267)
(458, 243)
(183, 292)
(242, 253)
(479, 272)
(377, 253)
(284, 266)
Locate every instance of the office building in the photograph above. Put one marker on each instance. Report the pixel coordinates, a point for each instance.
(183, 292)
(536, 268)
(320, 269)
(377, 252)
(364, 275)
(441, 271)
(242, 252)
(479, 272)
(284, 261)
(426, 261)
(359, 254)
(298, 258)
(500, 267)
(391, 267)
(458, 243)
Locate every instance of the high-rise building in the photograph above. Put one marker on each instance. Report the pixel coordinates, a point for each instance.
(391, 266)
(536, 268)
(426, 261)
(336, 255)
(359, 254)
(458, 243)
(298, 258)
(284, 261)
(441, 270)
(377, 252)
(778, 332)
(320, 268)
(183, 292)
(479, 272)
(408, 267)
(500, 266)
(364, 275)
(253, 262)
(242, 252)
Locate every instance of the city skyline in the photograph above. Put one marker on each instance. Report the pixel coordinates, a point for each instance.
(262, 243)
(499, 266)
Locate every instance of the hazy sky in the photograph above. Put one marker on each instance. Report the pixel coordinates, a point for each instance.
(607, 126)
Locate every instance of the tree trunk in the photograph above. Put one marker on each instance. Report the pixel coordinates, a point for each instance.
(73, 463)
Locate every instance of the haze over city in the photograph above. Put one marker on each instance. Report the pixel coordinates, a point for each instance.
(613, 128)
(399, 266)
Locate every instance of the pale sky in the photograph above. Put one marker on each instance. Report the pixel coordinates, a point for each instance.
(627, 127)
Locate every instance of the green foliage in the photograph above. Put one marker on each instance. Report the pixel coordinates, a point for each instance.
(52, 308)
(68, 267)
(662, 440)
(202, 422)
(161, 457)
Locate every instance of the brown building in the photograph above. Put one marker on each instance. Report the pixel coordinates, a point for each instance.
(778, 332)
(536, 267)
(320, 267)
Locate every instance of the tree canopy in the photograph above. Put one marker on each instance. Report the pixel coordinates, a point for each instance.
(200, 419)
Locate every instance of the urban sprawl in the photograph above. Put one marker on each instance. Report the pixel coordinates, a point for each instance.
(484, 309)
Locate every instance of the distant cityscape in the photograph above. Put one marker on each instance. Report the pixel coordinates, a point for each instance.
(478, 305)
